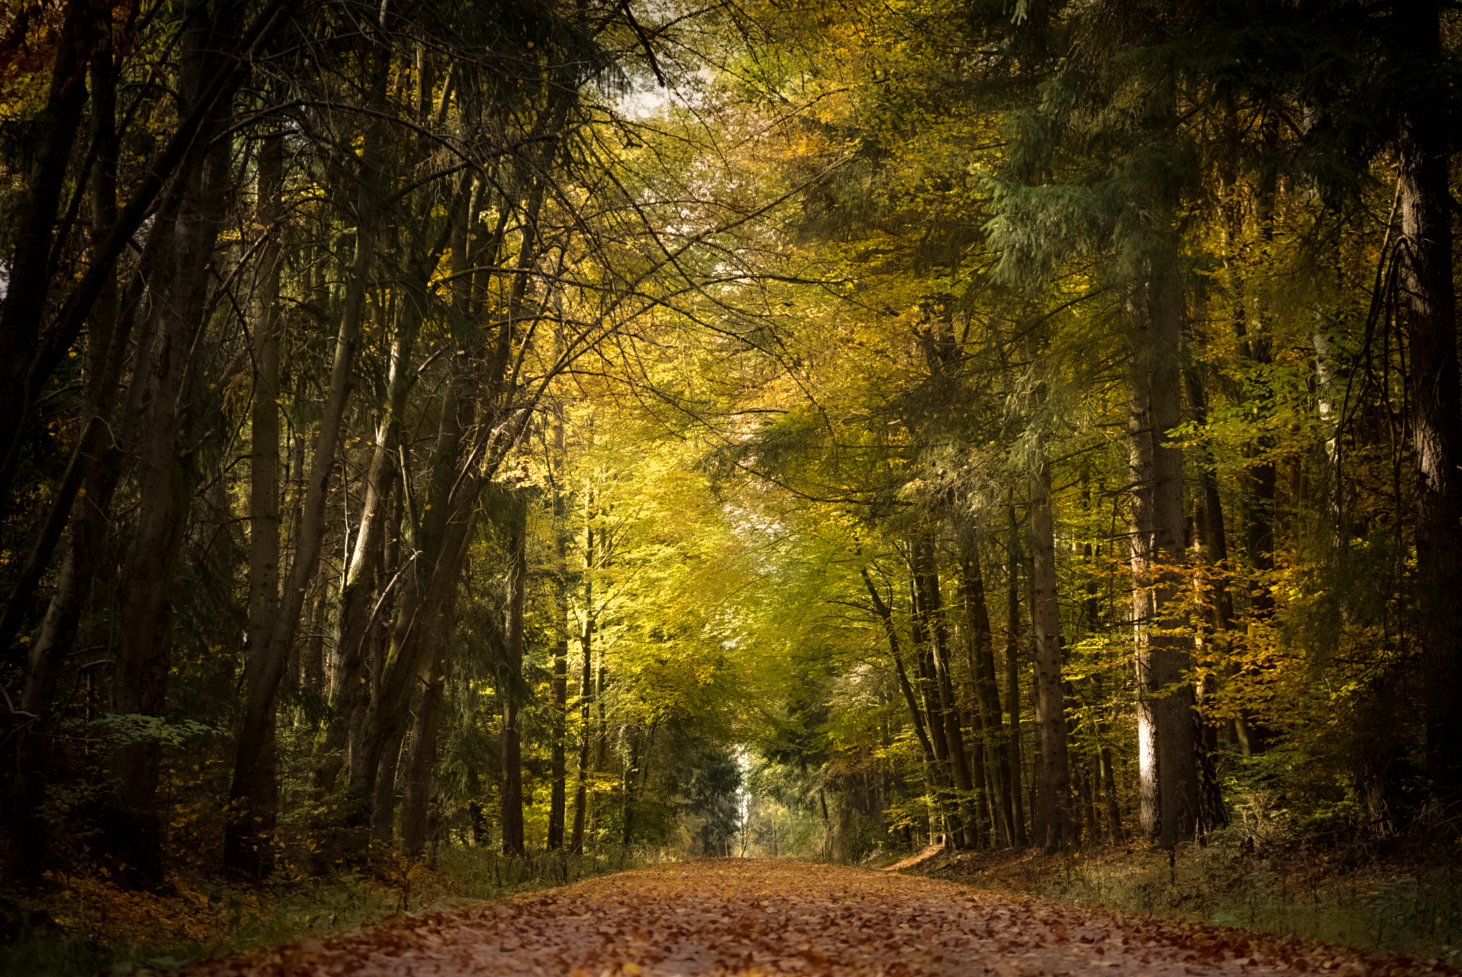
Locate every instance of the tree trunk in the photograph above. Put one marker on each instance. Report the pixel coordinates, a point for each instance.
(1012, 685)
(29, 282)
(557, 803)
(165, 423)
(1165, 697)
(1429, 311)
(916, 715)
(28, 357)
(931, 607)
(254, 789)
(512, 793)
(421, 758)
(100, 463)
(1055, 783)
(586, 682)
(981, 652)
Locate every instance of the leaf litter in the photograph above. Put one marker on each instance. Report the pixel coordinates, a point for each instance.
(766, 917)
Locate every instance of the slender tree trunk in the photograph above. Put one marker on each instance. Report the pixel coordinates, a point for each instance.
(29, 280)
(254, 789)
(1055, 783)
(383, 787)
(586, 682)
(981, 651)
(512, 793)
(426, 607)
(264, 470)
(885, 617)
(1012, 684)
(557, 802)
(931, 604)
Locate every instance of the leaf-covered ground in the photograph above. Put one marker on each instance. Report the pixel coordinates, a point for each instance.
(769, 917)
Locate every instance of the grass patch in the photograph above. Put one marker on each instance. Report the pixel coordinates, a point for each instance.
(1403, 896)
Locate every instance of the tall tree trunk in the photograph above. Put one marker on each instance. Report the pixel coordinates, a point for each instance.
(1165, 697)
(586, 681)
(1430, 314)
(1012, 684)
(981, 652)
(28, 357)
(28, 286)
(253, 791)
(1055, 783)
(264, 464)
(166, 422)
(927, 684)
(421, 756)
(512, 792)
(557, 802)
(100, 464)
(931, 605)
(425, 608)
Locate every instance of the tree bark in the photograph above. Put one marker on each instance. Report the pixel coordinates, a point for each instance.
(512, 792)
(1165, 696)
(421, 758)
(170, 375)
(1012, 683)
(931, 606)
(99, 461)
(557, 803)
(1055, 783)
(586, 681)
(981, 652)
(253, 792)
(1429, 310)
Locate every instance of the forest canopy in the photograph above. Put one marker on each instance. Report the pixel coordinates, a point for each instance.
(774, 428)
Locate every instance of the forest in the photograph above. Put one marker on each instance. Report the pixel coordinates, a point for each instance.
(655, 430)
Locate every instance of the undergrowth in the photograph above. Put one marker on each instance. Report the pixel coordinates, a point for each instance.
(1399, 896)
(89, 925)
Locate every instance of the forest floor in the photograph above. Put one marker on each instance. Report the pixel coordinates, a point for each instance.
(769, 917)
(1397, 895)
(84, 923)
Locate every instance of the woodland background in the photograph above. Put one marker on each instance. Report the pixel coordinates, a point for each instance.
(628, 431)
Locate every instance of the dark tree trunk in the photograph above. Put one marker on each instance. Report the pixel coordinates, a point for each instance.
(916, 715)
(586, 681)
(557, 802)
(99, 464)
(1012, 685)
(1429, 311)
(421, 757)
(29, 284)
(165, 423)
(512, 794)
(981, 652)
(931, 608)
(29, 356)
(1055, 782)
(1169, 773)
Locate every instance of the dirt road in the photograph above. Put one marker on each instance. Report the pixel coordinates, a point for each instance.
(780, 917)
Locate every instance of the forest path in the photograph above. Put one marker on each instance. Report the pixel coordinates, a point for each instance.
(734, 916)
